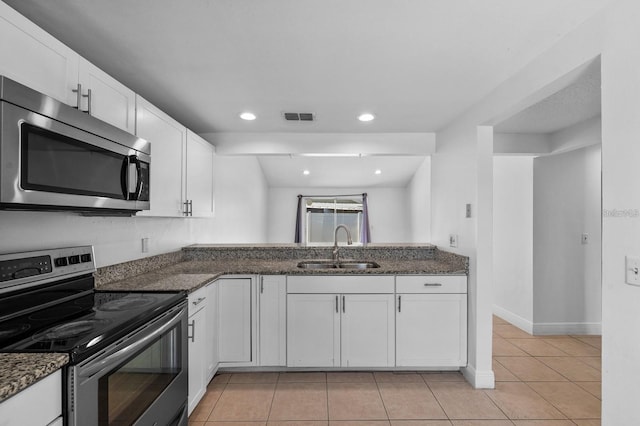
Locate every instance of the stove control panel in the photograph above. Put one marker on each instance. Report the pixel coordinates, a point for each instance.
(35, 266)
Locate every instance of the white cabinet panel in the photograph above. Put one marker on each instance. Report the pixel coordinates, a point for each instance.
(212, 326)
(36, 59)
(199, 176)
(431, 330)
(340, 284)
(235, 314)
(368, 330)
(272, 321)
(39, 404)
(168, 145)
(197, 352)
(110, 100)
(313, 330)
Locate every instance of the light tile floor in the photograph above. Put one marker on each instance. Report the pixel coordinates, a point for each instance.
(540, 381)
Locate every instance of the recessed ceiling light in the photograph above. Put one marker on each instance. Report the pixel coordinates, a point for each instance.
(248, 116)
(366, 117)
(378, 172)
(305, 172)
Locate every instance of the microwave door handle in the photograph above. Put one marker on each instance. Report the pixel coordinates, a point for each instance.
(124, 177)
(134, 191)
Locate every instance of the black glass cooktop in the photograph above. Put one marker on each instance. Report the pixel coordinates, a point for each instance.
(83, 325)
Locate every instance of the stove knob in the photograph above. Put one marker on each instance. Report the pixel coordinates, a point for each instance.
(74, 259)
(60, 261)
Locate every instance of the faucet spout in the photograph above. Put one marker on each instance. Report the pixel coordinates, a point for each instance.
(336, 253)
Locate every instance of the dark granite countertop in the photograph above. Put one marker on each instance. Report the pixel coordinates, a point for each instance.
(191, 275)
(19, 370)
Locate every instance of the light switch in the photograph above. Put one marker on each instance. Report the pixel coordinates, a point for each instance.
(453, 240)
(632, 266)
(468, 211)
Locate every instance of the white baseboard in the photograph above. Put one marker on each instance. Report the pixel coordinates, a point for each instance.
(567, 328)
(522, 323)
(479, 379)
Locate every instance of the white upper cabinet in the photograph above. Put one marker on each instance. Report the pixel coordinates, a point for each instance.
(199, 191)
(33, 57)
(106, 98)
(168, 146)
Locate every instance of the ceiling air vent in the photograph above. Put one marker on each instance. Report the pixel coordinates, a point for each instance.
(298, 116)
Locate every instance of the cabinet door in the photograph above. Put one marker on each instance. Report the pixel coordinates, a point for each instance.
(168, 141)
(199, 175)
(197, 353)
(39, 404)
(313, 330)
(431, 330)
(368, 330)
(36, 59)
(110, 100)
(272, 325)
(234, 311)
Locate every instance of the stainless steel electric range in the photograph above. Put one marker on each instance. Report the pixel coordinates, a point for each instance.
(128, 351)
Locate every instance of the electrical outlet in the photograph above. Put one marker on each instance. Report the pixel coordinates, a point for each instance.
(468, 211)
(453, 240)
(145, 245)
(585, 238)
(632, 267)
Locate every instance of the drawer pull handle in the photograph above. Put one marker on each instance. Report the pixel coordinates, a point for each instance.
(197, 302)
(192, 324)
(337, 308)
(400, 303)
(433, 285)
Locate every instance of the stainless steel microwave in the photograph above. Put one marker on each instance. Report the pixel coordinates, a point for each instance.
(55, 157)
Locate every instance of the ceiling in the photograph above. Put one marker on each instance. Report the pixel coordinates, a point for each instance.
(575, 103)
(339, 172)
(415, 64)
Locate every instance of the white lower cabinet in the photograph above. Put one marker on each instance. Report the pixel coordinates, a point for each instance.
(199, 339)
(237, 323)
(272, 320)
(431, 321)
(39, 405)
(313, 330)
(212, 354)
(339, 329)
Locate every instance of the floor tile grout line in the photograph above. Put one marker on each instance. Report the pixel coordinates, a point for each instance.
(550, 402)
(273, 397)
(436, 398)
(381, 398)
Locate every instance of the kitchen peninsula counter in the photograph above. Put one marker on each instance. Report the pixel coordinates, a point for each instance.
(20, 370)
(203, 263)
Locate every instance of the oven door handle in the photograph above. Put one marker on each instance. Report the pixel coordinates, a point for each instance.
(122, 354)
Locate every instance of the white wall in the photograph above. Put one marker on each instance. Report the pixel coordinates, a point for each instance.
(621, 234)
(241, 200)
(240, 193)
(419, 202)
(388, 213)
(566, 273)
(513, 239)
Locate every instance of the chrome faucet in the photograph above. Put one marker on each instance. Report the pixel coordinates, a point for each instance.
(336, 254)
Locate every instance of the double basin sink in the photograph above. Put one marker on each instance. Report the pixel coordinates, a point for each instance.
(344, 264)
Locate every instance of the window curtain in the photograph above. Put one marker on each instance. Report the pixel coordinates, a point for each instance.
(298, 237)
(365, 232)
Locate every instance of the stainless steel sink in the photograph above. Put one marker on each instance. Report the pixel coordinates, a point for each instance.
(314, 264)
(358, 265)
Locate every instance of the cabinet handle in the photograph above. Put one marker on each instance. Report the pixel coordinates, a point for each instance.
(399, 303)
(186, 208)
(261, 285)
(190, 207)
(88, 96)
(343, 305)
(337, 308)
(78, 92)
(192, 324)
(433, 285)
(197, 302)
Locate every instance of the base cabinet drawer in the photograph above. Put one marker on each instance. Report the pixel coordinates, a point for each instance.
(39, 404)
(431, 284)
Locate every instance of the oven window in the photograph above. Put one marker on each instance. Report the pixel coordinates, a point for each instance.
(55, 163)
(129, 390)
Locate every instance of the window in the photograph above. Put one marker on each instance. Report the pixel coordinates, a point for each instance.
(324, 214)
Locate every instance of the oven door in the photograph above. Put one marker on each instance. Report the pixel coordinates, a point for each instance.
(139, 380)
(49, 164)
